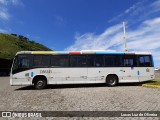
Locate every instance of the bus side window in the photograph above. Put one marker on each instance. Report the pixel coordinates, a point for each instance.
(81, 61)
(141, 61)
(110, 61)
(130, 61)
(145, 61)
(73, 61)
(24, 61)
(90, 60)
(59, 61)
(99, 61)
(41, 60)
(78, 61)
(113, 61)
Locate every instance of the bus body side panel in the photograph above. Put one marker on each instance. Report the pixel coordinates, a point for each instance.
(68, 75)
(145, 73)
(26, 77)
(99, 74)
(21, 78)
(95, 74)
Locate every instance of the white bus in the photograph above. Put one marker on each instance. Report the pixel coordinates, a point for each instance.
(41, 68)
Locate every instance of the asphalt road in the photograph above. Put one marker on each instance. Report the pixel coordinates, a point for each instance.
(125, 97)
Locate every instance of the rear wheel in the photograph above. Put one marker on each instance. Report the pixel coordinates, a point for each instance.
(40, 84)
(111, 80)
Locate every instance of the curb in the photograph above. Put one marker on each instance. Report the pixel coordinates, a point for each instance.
(151, 86)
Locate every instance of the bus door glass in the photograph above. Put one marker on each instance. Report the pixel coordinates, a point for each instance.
(130, 68)
(22, 63)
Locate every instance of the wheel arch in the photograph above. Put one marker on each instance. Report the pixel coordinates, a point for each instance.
(39, 77)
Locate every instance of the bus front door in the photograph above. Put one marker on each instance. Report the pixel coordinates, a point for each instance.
(130, 74)
(129, 71)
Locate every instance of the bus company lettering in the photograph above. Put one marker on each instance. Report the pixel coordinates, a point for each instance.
(45, 71)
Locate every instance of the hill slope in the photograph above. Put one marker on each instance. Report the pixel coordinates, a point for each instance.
(12, 43)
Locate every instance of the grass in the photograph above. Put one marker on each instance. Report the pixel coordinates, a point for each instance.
(153, 82)
(10, 44)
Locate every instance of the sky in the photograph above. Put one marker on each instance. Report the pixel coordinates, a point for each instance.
(74, 25)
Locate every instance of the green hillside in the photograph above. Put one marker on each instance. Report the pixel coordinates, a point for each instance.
(12, 43)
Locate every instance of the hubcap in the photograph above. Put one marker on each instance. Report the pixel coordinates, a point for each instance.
(40, 83)
(112, 81)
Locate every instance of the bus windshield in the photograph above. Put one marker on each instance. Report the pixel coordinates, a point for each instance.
(21, 62)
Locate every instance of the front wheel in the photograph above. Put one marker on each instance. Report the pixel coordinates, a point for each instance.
(111, 80)
(40, 84)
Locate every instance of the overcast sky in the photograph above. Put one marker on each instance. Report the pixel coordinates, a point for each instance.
(85, 24)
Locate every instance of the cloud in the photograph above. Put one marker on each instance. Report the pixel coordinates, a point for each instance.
(138, 12)
(156, 6)
(143, 38)
(4, 15)
(17, 3)
(96, 42)
(131, 11)
(3, 30)
(4, 8)
(4, 2)
(12, 2)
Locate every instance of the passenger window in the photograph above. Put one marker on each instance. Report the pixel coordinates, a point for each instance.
(41, 60)
(90, 60)
(145, 61)
(81, 61)
(73, 61)
(59, 61)
(141, 61)
(130, 61)
(99, 62)
(95, 61)
(113, 60)
(78, 61)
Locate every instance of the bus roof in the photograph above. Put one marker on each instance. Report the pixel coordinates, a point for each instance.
(81, 52)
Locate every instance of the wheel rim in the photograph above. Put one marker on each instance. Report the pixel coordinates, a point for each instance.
(112, 81)
(40, 83)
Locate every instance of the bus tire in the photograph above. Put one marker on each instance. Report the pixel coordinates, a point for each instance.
(111, 80)
(40, 84)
